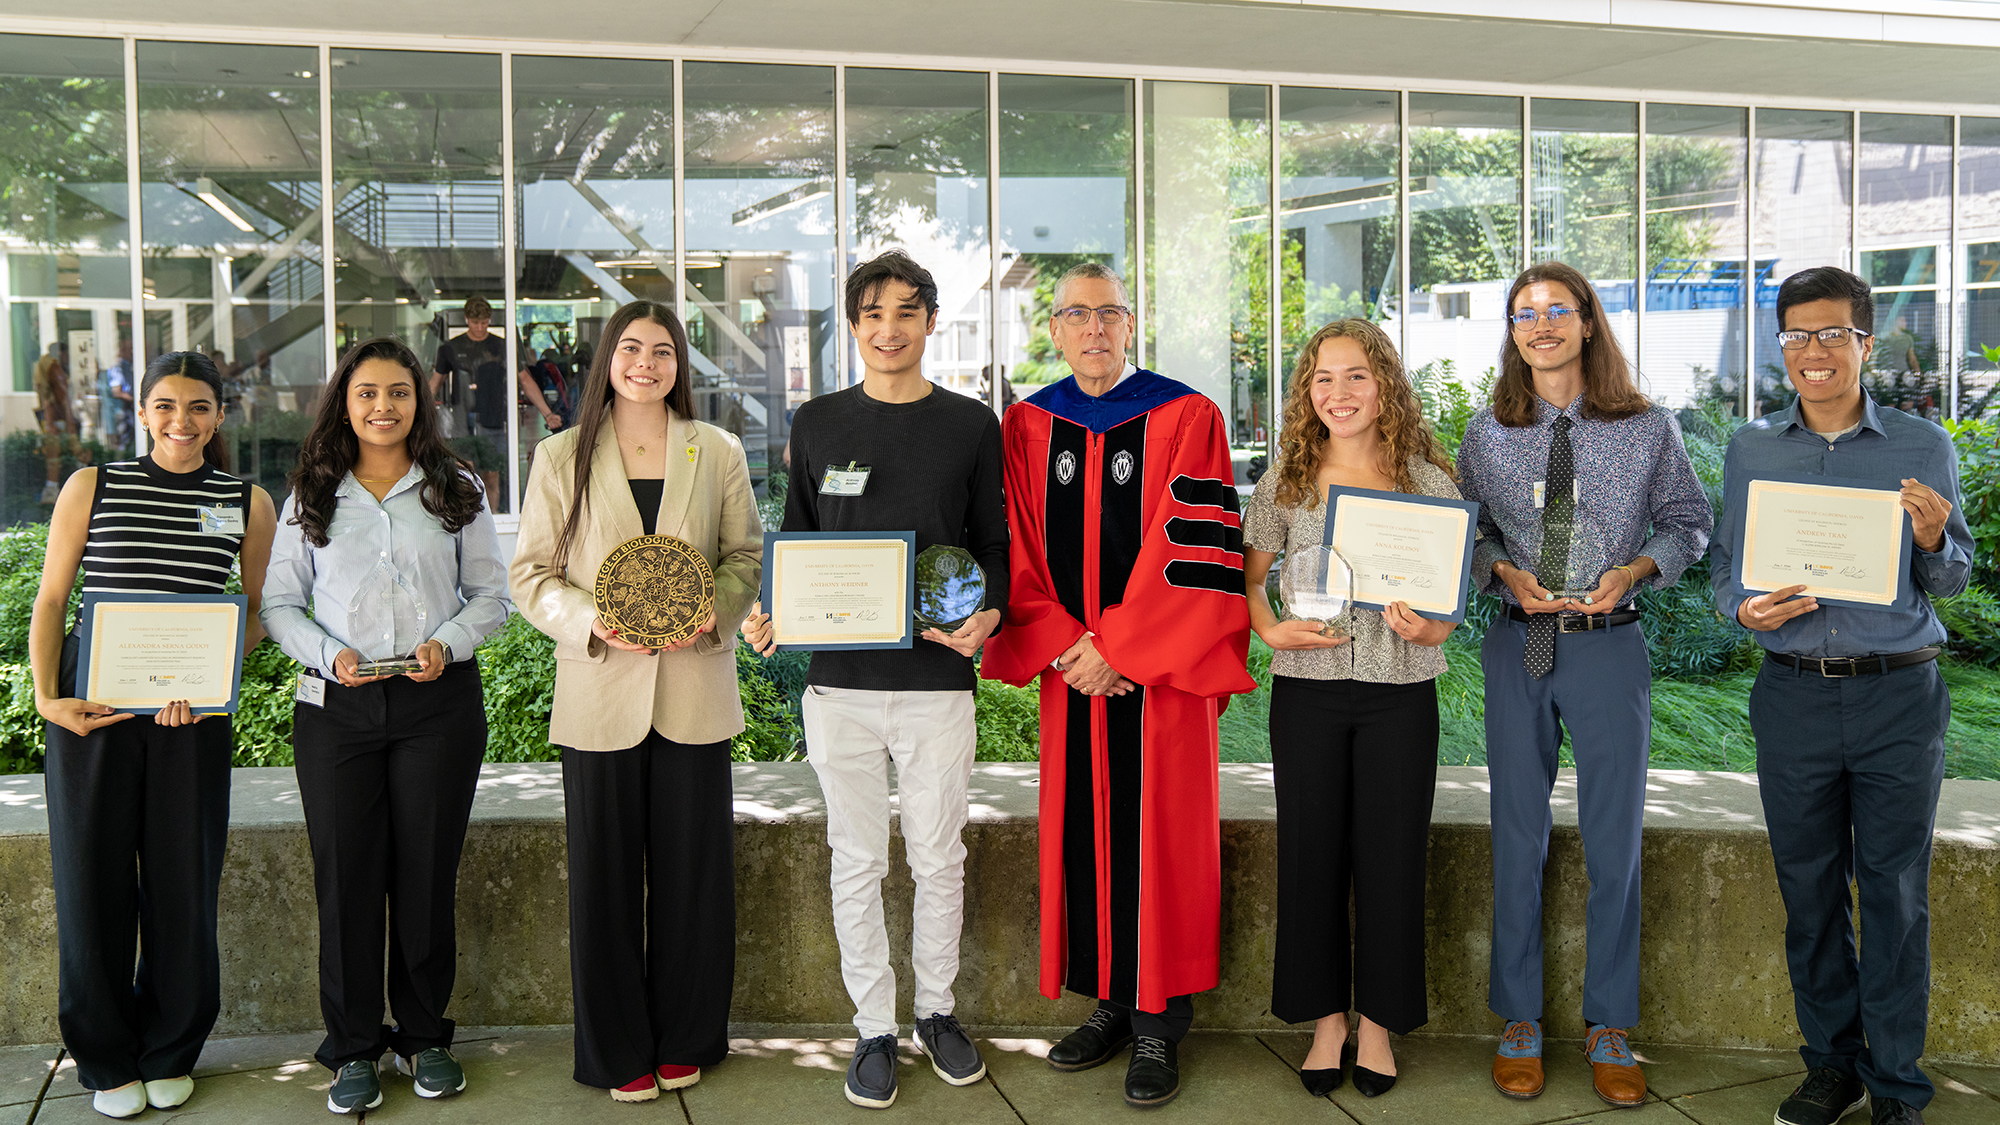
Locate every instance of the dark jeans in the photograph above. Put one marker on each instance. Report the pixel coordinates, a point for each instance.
(652, 906)
(1849, 771)
(386, 774)
(138, 822)
(1355, 765)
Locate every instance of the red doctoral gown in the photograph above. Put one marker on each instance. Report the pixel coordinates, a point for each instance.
(1123, 512)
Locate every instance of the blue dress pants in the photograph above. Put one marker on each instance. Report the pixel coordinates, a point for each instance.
(1602, 691)
(1849, 771)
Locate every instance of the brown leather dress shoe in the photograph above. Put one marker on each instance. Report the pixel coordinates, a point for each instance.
(1613, 1072)
(1517, 1068)
(1517, 1078)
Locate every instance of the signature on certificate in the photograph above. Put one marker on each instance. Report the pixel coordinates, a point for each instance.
(866, 615)
(1854, 572)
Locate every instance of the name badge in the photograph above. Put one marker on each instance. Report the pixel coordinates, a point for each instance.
(311, 690)
(220, 521)
(849, 481)
(1542, 489)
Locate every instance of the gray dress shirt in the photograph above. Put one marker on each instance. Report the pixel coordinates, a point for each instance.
(1888, 446)
(389, 578)
(1376, 654)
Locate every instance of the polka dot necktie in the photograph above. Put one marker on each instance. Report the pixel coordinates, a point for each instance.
(1558, 518)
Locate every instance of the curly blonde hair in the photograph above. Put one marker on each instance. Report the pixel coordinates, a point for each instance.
(1405, 432)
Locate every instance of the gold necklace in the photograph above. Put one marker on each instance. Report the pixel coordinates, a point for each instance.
(640, 449)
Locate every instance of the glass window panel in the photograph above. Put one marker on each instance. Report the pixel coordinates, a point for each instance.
(1208, 186)
(417, 214)
(65, 266)
(1465, 229)
(1804, 163)
(1065, 197)
(1979, 234)
(594, 183)
(1692, 346)
(1338, 157)
(760, 259)
(1903, 216)
(1585, 182)
(229, 138)
(916, 179)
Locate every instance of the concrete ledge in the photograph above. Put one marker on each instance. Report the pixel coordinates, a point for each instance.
(1714, 970)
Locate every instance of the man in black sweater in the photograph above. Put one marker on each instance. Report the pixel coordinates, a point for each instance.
(897, 454)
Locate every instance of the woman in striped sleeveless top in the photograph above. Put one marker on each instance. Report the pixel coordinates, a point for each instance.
(388, 542)
(139, 807)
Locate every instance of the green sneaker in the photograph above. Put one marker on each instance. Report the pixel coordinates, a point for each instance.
(436, 1071)
(355, 1086)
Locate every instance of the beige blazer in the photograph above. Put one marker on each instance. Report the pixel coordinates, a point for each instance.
(606, 699)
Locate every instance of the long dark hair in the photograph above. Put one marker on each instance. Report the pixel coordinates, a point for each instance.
(1609, 393)
(594, 404)
(190, 365)
(330, 449)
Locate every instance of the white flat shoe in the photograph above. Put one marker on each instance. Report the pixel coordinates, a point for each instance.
(125, 1101)
(169, 1093)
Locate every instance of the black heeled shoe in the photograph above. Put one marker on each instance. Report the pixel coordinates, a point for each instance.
(1321, 1083)
(1371, 1084)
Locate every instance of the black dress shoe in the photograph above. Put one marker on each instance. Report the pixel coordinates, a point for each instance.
(1371, 1084)
(1154, 1076)
(1101, 1037)
(1320, 1083)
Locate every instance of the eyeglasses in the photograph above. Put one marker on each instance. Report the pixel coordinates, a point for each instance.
(1557, 316)
(1795, 338)
(1107, 316)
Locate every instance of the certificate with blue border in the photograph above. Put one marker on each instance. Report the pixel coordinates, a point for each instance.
(140, 652)
(1404, 547)
(837, 591)
(1847, 541)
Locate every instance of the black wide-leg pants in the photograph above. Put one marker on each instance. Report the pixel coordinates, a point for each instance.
(1355, 767)
(138, 823)
(387, 773)
(652, 906)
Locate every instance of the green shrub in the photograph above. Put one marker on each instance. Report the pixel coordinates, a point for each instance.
(1009, 720)
(517, 671)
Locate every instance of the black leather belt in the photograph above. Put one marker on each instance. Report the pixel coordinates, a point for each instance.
(1580, 622)
(1841, 667)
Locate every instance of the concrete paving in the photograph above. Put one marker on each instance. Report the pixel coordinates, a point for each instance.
(776, 1076)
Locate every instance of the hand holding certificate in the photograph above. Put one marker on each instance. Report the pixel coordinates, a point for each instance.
(827, 590)
(143, 653)
(1404, 547)
(1845, 544)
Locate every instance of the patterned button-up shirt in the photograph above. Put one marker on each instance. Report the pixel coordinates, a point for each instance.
(1636, 494)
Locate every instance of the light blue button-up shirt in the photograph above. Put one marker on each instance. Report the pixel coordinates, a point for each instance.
(389, 578)
(1888, 447)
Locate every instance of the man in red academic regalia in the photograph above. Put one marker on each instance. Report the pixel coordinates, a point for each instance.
(1127, 602)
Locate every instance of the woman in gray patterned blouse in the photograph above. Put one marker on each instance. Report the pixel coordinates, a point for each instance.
(1354, 721)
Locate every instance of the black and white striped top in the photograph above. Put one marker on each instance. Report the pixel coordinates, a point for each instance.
(147, 529)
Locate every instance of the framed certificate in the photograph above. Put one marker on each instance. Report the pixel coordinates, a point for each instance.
(832, 590)
(1847, 542)
(1404, 548)
(140, 652)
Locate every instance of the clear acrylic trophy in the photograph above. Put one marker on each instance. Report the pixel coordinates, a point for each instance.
(1317, 585)
(1587, 558)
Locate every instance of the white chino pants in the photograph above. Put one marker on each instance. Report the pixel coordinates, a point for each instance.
(852, 735)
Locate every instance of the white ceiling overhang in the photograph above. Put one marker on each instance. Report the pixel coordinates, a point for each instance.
(1935, 55)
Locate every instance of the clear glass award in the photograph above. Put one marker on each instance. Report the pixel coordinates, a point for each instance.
(950, 587)
(1587, 556)
(1317, 585)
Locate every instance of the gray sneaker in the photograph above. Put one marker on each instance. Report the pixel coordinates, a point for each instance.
(355, 1086)
(952, 1053)
(436, 1071)
(871, 1073)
